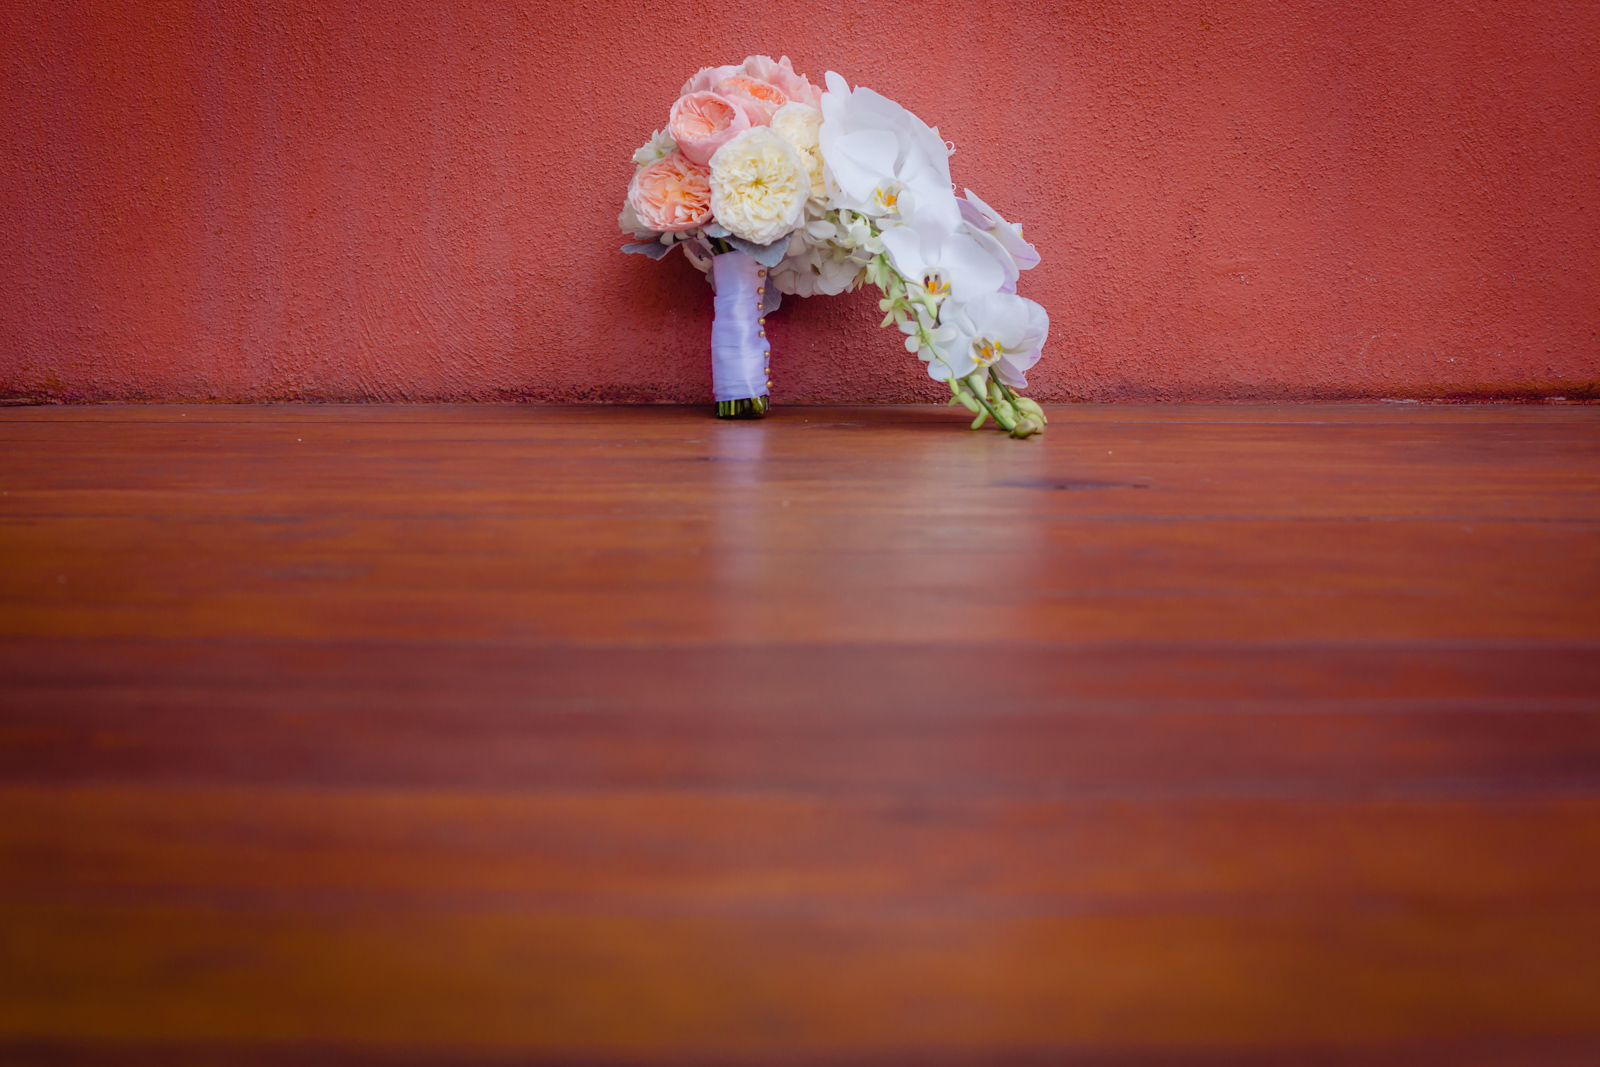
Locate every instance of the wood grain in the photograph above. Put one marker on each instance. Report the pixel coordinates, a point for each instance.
(484, 734)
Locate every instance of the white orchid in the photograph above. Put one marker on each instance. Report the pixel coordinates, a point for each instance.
(925, 338)
(942, 261)
(991, 245)
(1001, 333)
(879, 158)
(981, 219)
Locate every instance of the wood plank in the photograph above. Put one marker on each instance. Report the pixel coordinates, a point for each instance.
(1141, 720)
(734, 986)
(698, 852)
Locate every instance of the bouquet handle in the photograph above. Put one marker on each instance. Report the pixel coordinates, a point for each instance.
(740, 354)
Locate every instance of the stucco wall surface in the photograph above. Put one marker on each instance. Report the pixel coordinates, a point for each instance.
(417, 198)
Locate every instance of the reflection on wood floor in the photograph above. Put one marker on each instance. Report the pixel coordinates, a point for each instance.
(509, 734)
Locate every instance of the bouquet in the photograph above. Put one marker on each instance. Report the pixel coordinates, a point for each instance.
(773, 186)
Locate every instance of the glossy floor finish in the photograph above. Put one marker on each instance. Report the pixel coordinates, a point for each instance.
(405, 735)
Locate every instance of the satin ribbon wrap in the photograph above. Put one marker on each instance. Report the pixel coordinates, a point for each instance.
(739, 353)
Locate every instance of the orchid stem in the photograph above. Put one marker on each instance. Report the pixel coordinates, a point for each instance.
(983, 398)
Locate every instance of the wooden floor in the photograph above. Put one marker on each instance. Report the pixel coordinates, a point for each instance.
(492, 735)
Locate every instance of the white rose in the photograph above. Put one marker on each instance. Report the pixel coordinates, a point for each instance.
(801, 125)
(759, 186)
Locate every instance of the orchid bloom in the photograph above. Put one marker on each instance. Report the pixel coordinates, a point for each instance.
(942, 262)
(999, 332)
(982, 217)
(925, 338)
(876, 153)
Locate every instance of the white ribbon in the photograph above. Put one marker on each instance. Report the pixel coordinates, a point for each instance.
(739, 354)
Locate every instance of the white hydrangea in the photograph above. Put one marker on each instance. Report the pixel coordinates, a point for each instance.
(659, 146)
(816, 267)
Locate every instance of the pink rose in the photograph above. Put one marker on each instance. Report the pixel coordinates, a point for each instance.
(754, 97)
(703, 122)
(671, 194)
(706, 77)
(781, 76)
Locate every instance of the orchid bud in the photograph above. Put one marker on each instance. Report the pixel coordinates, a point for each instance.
(1030, 406)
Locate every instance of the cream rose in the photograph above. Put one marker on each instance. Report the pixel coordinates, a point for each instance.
(759, 186)
(801, 125)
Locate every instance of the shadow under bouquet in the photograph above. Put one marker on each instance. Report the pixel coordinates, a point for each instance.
(773, 186)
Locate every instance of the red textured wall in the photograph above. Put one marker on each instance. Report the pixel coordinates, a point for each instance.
(416, 198)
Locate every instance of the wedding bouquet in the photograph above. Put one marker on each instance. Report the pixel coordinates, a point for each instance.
(772, 186)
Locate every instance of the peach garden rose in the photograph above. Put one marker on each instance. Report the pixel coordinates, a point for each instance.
(755, 98)
(702, 122)
(780, 75)
(706, 77)
(671, 195)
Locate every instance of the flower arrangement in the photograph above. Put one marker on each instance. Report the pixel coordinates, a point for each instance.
(771, 186)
